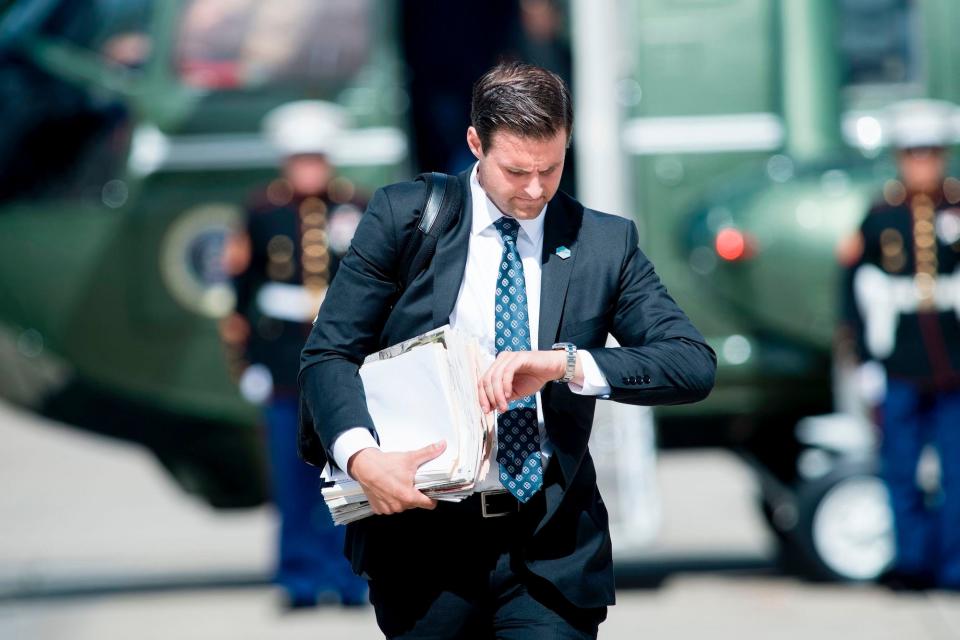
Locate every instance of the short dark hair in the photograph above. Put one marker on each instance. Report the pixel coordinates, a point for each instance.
(526, 100)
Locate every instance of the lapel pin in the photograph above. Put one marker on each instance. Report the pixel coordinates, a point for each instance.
(563, 252)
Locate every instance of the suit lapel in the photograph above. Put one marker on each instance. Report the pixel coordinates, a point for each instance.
(450, 259)
(560, 231)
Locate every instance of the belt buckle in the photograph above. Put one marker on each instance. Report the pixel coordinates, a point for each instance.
(487, 510)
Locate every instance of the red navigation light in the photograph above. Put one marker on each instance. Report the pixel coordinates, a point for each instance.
(210, 74)
(731, 245)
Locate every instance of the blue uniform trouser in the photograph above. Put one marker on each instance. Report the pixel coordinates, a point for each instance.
(310, 557)
(927, 528)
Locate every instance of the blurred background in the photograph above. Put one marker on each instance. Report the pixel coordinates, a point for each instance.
(747, 138)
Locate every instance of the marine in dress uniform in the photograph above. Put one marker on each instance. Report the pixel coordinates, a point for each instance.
(282, 263)
(902, 305)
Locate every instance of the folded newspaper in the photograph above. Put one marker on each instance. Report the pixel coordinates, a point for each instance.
(419, 392)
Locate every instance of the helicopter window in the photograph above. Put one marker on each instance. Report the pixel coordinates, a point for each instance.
(235, 44)
(878, 42)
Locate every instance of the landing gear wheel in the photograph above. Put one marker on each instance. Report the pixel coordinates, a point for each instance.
(845, 527)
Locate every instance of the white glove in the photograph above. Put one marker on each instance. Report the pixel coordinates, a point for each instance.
(256, 384)
(871, 382)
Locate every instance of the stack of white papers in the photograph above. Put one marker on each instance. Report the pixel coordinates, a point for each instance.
(420, 392)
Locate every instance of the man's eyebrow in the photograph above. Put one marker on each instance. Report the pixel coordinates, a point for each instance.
(519, 170)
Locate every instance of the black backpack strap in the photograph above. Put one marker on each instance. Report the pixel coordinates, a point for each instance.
(436, 191)
(440, 209)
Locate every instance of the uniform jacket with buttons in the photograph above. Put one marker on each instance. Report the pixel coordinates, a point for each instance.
(606, 285)
(918, 345)
(275, 232)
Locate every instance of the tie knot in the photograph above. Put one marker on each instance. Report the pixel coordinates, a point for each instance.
(508, 228)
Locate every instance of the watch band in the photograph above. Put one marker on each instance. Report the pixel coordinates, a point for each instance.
(571, 367)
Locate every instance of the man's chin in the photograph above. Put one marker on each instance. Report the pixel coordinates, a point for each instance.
(527, 213)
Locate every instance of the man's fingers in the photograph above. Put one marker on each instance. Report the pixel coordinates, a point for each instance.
(505, 362)
(507, 383)
(498, 394)
(496, 387)
(482, 395)
(428, 453)
(408, 498)
(422, 501)
(487, 385)
(485, 398)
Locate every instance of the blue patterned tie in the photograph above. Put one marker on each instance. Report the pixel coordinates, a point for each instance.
(518, 435)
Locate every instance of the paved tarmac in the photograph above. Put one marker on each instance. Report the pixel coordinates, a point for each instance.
(97, 543)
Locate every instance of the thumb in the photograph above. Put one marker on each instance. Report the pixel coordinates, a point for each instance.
(428, 453)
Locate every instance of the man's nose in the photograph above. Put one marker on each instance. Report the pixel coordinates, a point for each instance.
(534, 189)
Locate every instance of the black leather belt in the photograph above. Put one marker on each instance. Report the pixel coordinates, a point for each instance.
(497, 507)
(484, 504)
(498, 503)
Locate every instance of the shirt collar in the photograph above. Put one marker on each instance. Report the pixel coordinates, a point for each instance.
(485, 213)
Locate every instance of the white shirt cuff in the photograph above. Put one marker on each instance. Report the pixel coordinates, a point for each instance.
(594, 382)
(350, 442)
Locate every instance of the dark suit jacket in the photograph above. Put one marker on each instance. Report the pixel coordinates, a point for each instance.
(606, 286)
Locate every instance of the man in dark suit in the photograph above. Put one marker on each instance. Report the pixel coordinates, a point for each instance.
(522, 266)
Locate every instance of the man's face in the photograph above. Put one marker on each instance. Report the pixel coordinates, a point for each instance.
(922, 169)
(520, 175)
(309, 174)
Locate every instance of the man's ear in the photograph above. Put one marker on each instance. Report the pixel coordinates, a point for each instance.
(473, 141)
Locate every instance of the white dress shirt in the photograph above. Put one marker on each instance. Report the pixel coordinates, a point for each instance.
(473, 314)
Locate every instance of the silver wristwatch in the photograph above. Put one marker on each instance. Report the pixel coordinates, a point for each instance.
(571, 368)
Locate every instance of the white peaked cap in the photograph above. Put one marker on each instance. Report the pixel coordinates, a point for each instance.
(305, 126)
(922, 123)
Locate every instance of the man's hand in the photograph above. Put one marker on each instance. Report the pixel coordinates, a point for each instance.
(387, 478)
(234, 329)
(515, 374)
